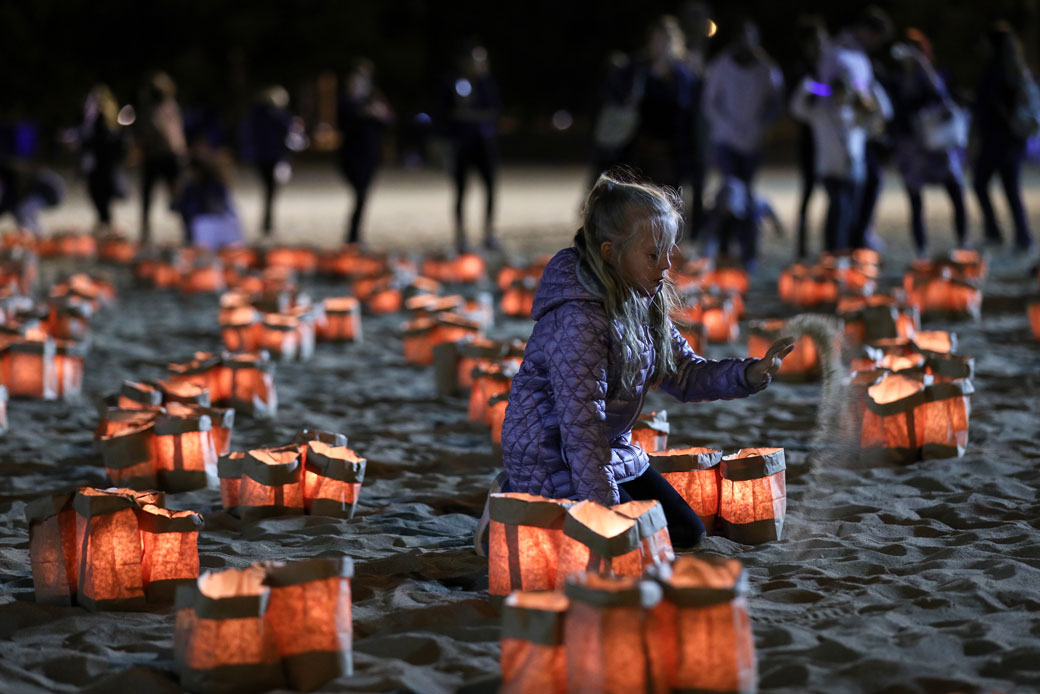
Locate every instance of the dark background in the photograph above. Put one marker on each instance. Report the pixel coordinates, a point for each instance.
(545, 54)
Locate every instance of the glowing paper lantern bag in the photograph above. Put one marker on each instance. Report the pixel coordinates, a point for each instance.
(706, 636)
(27, 369)
(109, 541)
(526, 535)
(342, 320)
(139, 396)
(309, 611)
(332, 480)
(650, 431)
(222, 643)
(169, 549)
(1034, 318)
(130, 458)
(802, 364)
(229, 470)
(184, 452)
(68, 368)
(3, 409)
(613, 636)
(250, 383)
(621, 540)
(184, 392)
(753, 495)
(272, 483)
(694, 473)
(53, 548)
(534, 657)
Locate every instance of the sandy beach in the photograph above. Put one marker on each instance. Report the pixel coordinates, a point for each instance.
(922, 578)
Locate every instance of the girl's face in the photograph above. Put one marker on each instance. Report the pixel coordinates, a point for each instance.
(645, 263)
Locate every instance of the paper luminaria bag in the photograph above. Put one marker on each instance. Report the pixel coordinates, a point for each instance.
(614, 635)
(271, 483)
(185, 454)
(332, 479)
(753, 495)
(526, 534)
(229, 470)
(270, 625)
(694, 473)
(650, 431)
(534, 655)
(342, 320)
(622, 540)
(130, 457)
(802, 364)
(907, 418)
(705, 632)
(27, 368)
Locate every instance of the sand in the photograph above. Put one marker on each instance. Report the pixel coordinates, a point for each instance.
(917, 578)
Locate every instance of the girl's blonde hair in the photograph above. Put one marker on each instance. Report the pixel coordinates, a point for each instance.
(618, 211)
(108, 107)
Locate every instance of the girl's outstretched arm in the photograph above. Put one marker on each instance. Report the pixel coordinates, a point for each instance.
(578, 373)
(697, 378)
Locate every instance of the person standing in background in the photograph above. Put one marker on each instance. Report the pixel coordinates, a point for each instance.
(1004, 115)
(265, 143)
(927, 138)
(102, 148)
(812, 37)
(698, 28)
(470, 108)
(849, 56)
(743, 96)
(160, 137)
(364, 115)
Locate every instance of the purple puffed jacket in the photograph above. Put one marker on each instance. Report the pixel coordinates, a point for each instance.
(567, 430)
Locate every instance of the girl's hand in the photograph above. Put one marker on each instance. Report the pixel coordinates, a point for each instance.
(765, 368)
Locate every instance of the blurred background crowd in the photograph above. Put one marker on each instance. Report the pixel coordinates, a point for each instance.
(177, 95)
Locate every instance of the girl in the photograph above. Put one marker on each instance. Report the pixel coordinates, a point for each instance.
(602, 339)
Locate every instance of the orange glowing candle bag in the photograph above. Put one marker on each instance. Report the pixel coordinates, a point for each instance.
(309, 611)
(706, 636)
(1034, 318)
(130, 457)
(488, 380)
(342, 320)
(169, 549)
(694, 473)
(28, 370)
(53, 552)
(650, 431)
(613, 636)
(229, 470)
(533, 655)
(272, 483)
(496, 415)
(332, 480)
(222, 642)
(185, 455)
(135, 395)
(753, 495)
(621, 540)
(109, 541)
(68, 368)
(802, 364)
(526, 535)
(249, 382)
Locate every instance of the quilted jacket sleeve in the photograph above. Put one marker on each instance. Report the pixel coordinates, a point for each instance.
(697, 378)
(577, 362)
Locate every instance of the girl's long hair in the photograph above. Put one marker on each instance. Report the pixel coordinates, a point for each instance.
(618, 210)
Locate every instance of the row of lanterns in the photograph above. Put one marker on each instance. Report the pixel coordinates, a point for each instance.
(683, 627)
(317, 474)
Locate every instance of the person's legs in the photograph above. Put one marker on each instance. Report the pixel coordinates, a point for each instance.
(832, 226)
(462, 162)
(1010, 177)
(360, 198)
(486, 166)
(960, 215)
(864, 216)
(149, 176)
(266, 171)
(101, 197)
(684, 526)
(917, 219)
(985, 167)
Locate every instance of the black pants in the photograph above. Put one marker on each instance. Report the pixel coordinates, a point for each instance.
(841, 213)
(267, 179)
(156, 167)
(960, 216)
(684, 526)
(1003, 157)
(102, 191)
(868, 197)
(479, 154)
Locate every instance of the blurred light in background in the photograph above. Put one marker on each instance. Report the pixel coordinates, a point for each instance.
(562, 120)
(710, 29)
(423, 119)
(463, 88)
(127, 115)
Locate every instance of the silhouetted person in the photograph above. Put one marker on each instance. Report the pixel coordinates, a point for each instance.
(265, 143)
(160, 135)
(661, 147)
(617, 119)
(812, 36)
(363, 117)
(849, 55)
(927, 150)
(103, 147)
(470, 108)
(1001, 99)
(204, 203)
(743, 97)
(695, 20)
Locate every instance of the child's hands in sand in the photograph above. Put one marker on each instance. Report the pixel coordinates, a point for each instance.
(765, 368)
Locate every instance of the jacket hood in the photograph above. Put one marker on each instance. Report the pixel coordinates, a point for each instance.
(564, 279)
